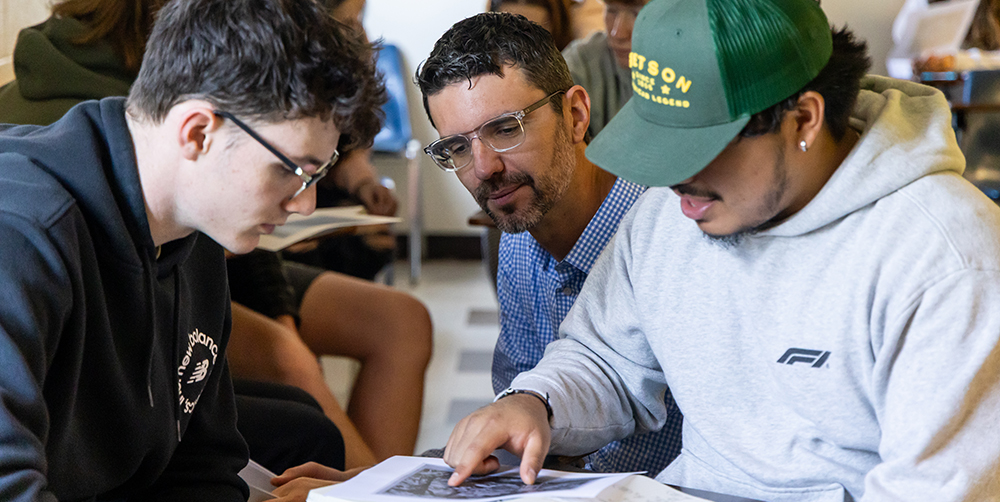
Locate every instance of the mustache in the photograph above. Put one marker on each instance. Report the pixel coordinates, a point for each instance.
(687, 189)
(500, 181)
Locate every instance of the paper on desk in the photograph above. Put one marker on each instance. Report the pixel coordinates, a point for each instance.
(643, 489)
(403, 479)
(258, 478)
(939, 28)
(323, 221)
(921, 30)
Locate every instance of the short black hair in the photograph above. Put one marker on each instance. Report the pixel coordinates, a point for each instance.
(267, 60)
(485, 43)
(838, 82)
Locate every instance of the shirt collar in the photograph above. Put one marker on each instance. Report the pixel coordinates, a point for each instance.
(603, 225)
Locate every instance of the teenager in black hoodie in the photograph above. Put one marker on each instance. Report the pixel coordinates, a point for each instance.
(114, 311)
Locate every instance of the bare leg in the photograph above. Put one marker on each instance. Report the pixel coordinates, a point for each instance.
(389, 332)
(262, 348)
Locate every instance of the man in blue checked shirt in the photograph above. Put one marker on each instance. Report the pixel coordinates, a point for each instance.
(514, 129)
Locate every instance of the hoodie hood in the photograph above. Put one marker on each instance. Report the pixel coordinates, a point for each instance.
(53, 73)
(48, 65)
(906, 134)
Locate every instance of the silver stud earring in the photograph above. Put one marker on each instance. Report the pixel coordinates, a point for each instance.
(803, 146)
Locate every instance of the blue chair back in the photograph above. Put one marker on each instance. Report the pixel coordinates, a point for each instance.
(396, 131)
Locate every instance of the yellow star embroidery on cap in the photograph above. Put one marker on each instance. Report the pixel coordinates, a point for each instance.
(665, 89)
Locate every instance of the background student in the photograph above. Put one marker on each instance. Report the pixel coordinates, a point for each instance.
(600, 62)
(553, 15)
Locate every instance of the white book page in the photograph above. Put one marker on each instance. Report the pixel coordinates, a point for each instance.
(258, 478)
(407, 479)
(324, 220)
(643, 489)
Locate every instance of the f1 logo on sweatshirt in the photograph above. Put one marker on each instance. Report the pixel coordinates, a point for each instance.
(814, 357)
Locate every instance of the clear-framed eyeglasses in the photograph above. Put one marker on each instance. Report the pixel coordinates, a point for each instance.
(501, 134)
(308, 180)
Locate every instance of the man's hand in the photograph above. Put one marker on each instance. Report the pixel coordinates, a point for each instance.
(298, 489)
(377, 199)
(295, 483)
(517, 423)
(316, 471)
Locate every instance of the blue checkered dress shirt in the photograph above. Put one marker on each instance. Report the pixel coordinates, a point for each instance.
(536, 292)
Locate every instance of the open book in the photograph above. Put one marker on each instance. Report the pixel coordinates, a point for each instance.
(323, 221)
(416, 479)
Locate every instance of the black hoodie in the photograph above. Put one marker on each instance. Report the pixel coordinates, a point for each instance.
(113, 381)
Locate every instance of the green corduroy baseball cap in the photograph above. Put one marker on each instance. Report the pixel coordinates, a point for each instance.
(700, 69)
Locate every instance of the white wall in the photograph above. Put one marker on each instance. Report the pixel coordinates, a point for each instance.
(414, 26)
(14, 15)
(869, 19)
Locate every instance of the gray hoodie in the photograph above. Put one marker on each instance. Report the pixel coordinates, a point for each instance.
(849, 353)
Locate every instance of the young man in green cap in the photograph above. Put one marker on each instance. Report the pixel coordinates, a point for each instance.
(822, 306)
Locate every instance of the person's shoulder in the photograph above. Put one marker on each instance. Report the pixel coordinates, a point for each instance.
(945, 211)
(580, 50)
(30, 192)
(616, 205)
(594, 40)
(16, 109)
(626, 192)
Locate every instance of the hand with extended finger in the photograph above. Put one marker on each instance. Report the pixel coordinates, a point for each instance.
(518, 423)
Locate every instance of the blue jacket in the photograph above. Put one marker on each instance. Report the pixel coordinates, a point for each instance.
(113, 378)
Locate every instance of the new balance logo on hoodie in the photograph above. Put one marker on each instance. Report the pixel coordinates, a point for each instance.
(816, 358)
(196, 365)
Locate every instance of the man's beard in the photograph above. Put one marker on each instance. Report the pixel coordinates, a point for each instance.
(547, 189)
(731, 241)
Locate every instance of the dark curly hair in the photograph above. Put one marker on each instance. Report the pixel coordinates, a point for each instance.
(838, 82)
(267, 60)
(485, 43)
